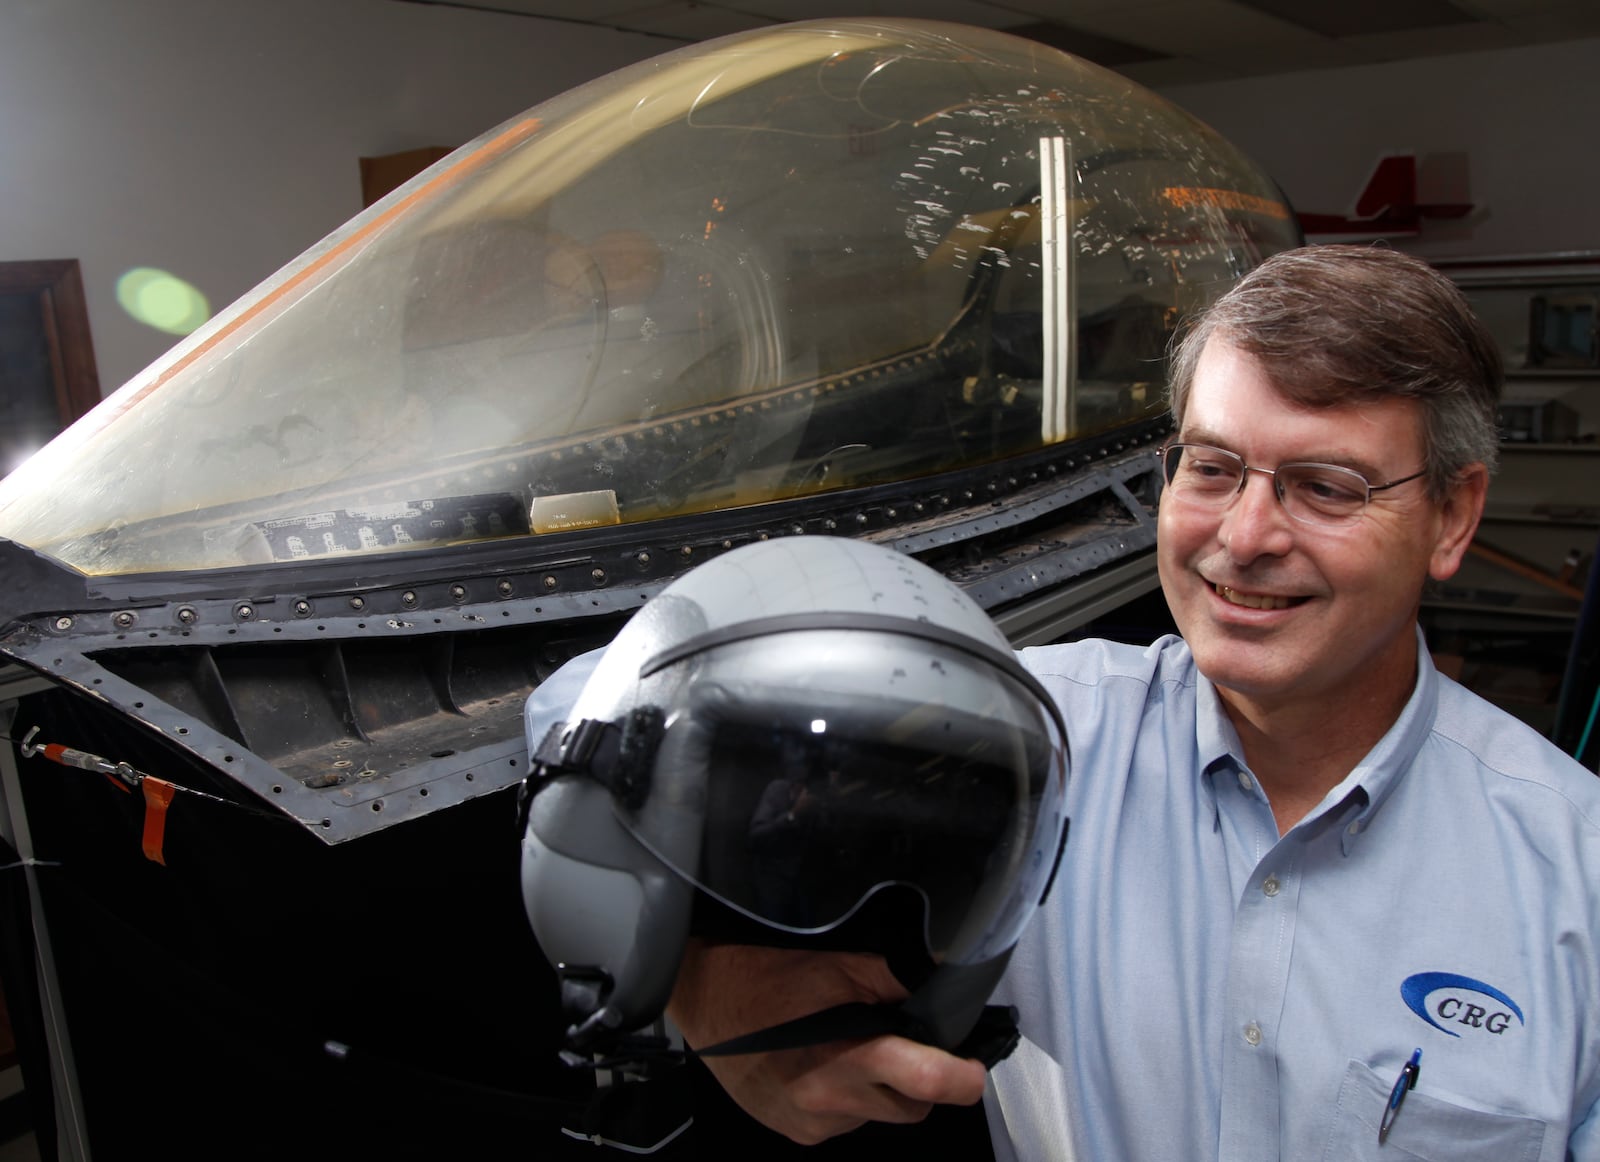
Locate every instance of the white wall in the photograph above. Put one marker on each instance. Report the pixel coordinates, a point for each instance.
(1521, 120)
(217, 139)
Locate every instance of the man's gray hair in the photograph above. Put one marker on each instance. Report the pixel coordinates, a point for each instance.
(1340, 325)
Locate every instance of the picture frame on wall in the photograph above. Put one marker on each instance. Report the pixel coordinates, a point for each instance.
(47, 367)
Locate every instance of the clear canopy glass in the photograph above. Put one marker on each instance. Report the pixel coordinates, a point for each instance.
(815, 257)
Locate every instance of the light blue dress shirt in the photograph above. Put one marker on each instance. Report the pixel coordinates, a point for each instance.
(1197, 987)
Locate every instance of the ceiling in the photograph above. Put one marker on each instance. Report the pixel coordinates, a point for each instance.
(1154, 42)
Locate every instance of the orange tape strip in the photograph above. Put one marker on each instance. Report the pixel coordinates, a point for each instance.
(157, 798)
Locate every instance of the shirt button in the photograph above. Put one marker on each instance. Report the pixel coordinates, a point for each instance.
(1270, 885)
(1252, 1033)
(1245, 781)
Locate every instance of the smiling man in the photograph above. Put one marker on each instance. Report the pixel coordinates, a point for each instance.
(1297, 588)
(1319, 901)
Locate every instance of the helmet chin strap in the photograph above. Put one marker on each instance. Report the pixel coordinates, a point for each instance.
(990, 1040)
(947, 1009)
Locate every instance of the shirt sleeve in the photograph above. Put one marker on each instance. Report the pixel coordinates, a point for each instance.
(999, 1137)
(1584, 1143)
(1028, 1107)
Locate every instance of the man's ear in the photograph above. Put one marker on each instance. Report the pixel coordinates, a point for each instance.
(1458, 521)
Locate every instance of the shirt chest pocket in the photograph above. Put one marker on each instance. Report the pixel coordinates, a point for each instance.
(1427, 1128)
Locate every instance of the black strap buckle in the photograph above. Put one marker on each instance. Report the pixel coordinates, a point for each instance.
(617, 756)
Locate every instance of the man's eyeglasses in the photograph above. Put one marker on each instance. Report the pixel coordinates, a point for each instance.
(1316, 494)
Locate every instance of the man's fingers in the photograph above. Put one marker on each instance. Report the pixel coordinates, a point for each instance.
(886, 1079)
(812, 1093)
(924, 1074)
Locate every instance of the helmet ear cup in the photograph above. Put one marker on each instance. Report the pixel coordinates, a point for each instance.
(609, 915)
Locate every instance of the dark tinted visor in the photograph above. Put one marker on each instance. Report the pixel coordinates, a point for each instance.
(812, 810)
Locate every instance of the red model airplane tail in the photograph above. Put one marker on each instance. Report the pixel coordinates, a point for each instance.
(1387, 206)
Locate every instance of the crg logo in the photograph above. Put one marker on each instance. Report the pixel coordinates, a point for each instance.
(1453, 1004)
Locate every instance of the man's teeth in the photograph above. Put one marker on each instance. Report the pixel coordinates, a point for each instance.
(1252, 600)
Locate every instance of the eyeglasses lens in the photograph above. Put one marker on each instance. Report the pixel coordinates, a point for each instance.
(1314, 493)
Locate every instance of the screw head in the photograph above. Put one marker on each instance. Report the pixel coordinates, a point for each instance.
(302, 608)
(244, 612)
(504, 588)
(458, 593)
(598, 576)
(358, 603)
(408, 599)
(188, 614)
(549, 581)
(124, 619)
(63, 623)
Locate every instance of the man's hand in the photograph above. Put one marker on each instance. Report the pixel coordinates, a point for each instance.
(816, 1092)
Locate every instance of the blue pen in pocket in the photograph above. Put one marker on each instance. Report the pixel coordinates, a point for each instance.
(1404, 1084)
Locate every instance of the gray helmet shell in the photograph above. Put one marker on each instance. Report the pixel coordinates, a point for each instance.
(828, 647)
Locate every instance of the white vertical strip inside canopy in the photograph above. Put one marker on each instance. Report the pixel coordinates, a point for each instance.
(1055, 205)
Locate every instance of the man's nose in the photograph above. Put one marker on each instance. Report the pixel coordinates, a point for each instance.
(1255, 523)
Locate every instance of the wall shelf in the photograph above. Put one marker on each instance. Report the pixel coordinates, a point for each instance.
(1504, 625)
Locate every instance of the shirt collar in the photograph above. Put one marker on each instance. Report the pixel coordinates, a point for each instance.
(1217, 739)
(1380, 772)
(1376, 776)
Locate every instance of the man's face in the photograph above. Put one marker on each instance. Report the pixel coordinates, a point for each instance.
(1279, 612)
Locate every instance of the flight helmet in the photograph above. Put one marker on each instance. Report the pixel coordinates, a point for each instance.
(824, 741)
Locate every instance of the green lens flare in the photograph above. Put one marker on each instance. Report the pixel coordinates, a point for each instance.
(161, 300)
